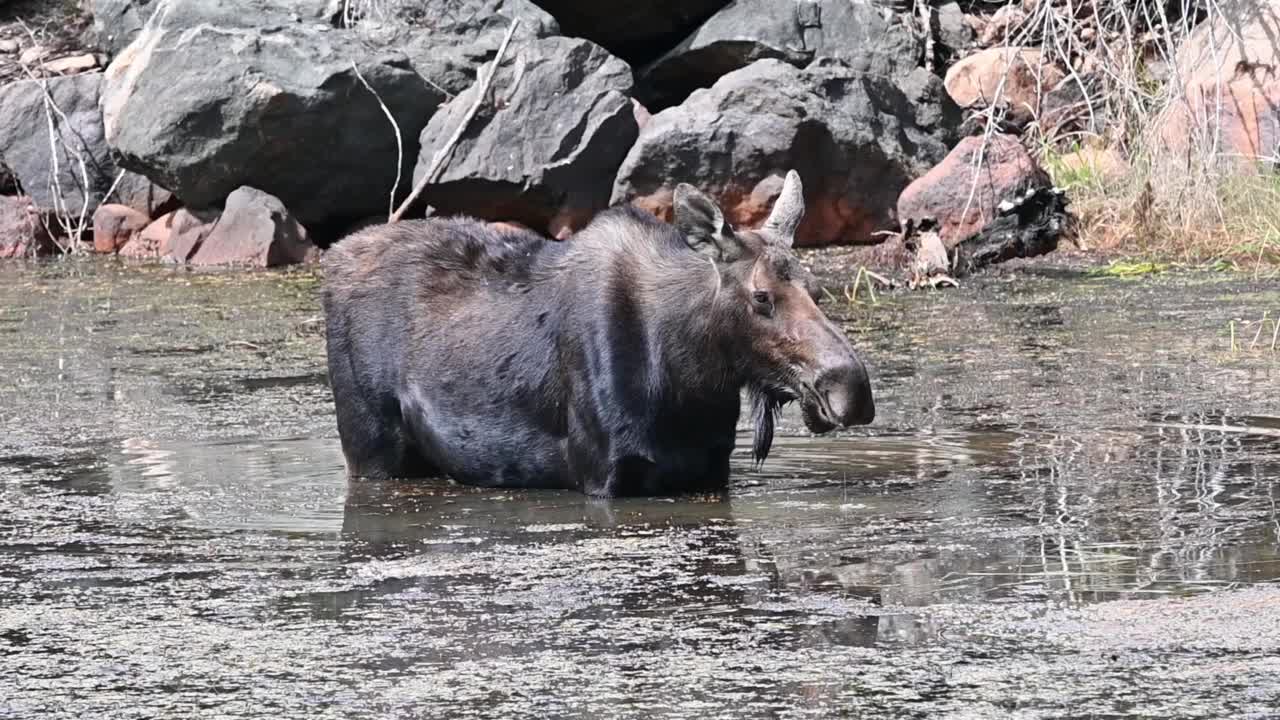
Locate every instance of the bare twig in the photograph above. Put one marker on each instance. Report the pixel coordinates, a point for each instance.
(114, 184)
(54, 118)
(438, 160)
(395, 187)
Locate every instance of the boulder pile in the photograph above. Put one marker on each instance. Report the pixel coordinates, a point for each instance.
(256, 132)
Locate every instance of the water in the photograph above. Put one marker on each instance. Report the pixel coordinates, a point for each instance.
(1067, 507)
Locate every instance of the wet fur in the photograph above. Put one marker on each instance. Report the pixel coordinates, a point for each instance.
(604, 363)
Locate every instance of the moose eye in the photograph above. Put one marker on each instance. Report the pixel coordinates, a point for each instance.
(763, 303)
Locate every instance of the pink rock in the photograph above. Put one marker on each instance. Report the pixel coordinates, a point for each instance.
(643, 116)
(944, 192)
(174, 236)
(114, 225)
(71, 65)
(1027, 75)
(1228, 66)
(21, 232)
(255, 230)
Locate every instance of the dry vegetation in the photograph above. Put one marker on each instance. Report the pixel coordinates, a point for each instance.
(1196, 204)
(59, 25)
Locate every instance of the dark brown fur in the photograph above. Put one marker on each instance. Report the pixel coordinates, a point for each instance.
(611, 363)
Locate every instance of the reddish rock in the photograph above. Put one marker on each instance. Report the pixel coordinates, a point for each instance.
(183, 246)
(1093, 162)
(1027, 74)
(1230, 69)
(71, 65)
(256, 230)
(641, 112)
(21, 232)
(942, 194)
(173, 236)
(1002, 25)
(115, 225)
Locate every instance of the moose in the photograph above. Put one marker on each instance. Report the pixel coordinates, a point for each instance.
(612, 363)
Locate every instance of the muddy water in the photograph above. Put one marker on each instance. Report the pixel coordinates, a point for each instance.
(1067, 507)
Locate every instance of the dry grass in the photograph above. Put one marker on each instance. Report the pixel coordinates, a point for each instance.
(1153, 208)
(1194, 203)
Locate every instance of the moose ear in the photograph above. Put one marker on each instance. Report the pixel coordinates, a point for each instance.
(787, 211)
(699, 220)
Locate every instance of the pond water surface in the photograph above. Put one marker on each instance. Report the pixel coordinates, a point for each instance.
(1067, 507)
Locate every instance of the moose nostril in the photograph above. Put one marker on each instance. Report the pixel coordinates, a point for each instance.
(847, 392)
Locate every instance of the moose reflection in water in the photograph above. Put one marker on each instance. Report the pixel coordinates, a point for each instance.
(612, 363)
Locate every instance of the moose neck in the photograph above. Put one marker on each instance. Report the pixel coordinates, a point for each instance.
(657, 315)
(693, 331)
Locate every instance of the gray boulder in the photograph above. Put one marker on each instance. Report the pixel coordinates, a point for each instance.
(546, 145)
(448, 40)
(203, 107)
(870, 39)
(856, 140)
(951, 30)
(53, 174)
(637, 32)
(254, 230)
(117, 22)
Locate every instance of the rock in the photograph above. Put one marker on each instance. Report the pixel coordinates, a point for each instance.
(255, 230)
(174, 236)
(21, 232)
(8, 180)
(1025, 225)
(974, 81)
(114, 225)
(635, 32)
(1001, 26)
(943, 193)
(72, 64)
(868, 38)
(1092, 163)
(549, 150)
(643, 116)
(203, 109)
(33, 55)
(856, 140)
(1073, 108)
(1228, 66)
(952, 30)
(143, 195)
(9, 47)
(447, 48)
(117, 22)
(24, 144)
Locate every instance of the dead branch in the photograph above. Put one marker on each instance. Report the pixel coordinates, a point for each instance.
(395, 188)
(438, 160)
(54, 118)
